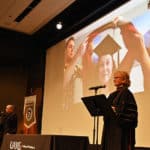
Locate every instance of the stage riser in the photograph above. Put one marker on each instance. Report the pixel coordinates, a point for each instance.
(50, 142)
(94, 147)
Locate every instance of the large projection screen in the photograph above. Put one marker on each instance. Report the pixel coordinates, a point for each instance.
(66, 81)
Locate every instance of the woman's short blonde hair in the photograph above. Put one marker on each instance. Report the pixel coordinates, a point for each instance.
(125, 77)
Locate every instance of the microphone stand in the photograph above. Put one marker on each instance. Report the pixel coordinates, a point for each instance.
(96, 117)
(96, 124)
(94, 128)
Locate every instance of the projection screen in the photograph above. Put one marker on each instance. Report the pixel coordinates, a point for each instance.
(90, 60)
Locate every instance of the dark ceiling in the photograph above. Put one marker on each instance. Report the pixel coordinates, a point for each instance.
(19, 47)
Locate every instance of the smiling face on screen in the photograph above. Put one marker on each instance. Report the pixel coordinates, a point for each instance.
(105, 68)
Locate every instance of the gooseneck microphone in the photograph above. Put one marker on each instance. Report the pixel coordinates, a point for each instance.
(97, 87)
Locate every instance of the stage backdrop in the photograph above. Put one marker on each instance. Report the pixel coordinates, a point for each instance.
(63, 111)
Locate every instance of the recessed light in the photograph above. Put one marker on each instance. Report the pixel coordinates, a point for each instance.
(59, 25)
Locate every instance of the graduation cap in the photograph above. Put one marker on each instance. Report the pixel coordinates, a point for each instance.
(107, 46)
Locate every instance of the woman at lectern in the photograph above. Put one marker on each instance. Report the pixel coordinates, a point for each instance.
(120, 119)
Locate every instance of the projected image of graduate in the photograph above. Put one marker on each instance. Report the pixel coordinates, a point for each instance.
(106, 65)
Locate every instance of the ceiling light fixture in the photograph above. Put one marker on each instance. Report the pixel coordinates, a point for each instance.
(59, 25)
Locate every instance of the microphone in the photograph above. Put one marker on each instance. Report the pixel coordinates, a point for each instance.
(97, 87)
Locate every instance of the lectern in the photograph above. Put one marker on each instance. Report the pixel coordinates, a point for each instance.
(96, 105)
